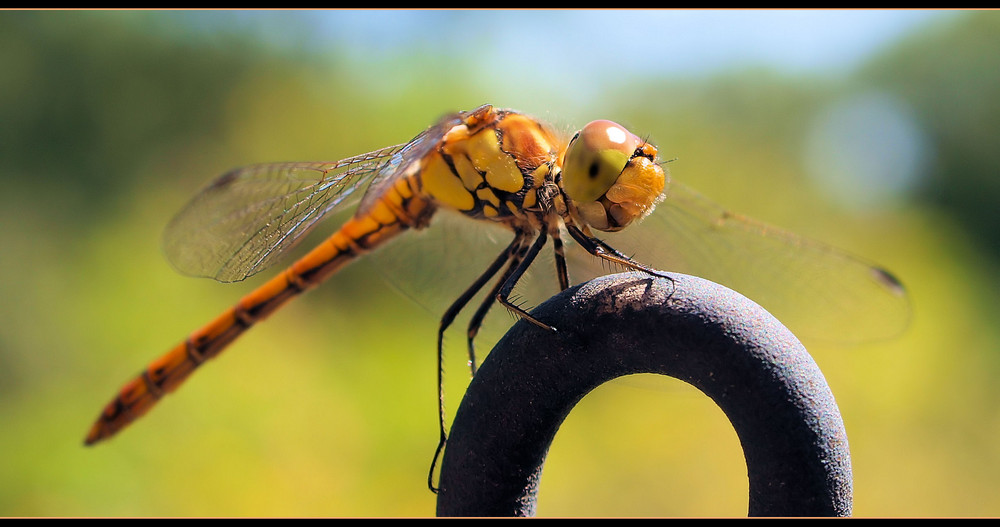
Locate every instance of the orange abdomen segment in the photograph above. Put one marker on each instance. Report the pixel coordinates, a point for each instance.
(392, 214)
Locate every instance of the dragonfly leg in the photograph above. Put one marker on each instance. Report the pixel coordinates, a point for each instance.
(600, 249)
(560, 253)
(520, 255)
(446, 321)
(562, 273)
(460, 303)
(476, 321)
(526, 257)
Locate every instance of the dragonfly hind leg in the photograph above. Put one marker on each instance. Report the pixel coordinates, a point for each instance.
(518, 255)
(508, 255)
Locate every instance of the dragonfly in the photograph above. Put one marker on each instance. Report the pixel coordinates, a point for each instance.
(502, 168)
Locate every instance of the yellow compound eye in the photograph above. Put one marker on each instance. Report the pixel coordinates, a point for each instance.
(595, 158)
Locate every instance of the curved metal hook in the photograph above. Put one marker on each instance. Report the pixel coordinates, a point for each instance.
(731, 349)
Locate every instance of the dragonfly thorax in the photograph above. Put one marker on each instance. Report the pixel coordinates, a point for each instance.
(491, 165)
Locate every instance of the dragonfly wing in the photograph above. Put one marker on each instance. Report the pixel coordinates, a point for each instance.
(244, 220)
(406, 159)
(816, 290)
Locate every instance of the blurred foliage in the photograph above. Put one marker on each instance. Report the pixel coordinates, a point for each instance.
(91, 101)
(952, 79)
(109, 121)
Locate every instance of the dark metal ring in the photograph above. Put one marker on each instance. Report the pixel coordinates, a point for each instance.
(731, 349)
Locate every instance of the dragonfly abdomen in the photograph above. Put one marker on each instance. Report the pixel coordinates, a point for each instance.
(398, 209)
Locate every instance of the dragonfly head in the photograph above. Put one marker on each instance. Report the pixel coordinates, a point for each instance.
(611, 176)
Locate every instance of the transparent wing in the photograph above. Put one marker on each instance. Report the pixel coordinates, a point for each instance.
(816, 290)
(247, 218)
(406, 158)
(243, 221)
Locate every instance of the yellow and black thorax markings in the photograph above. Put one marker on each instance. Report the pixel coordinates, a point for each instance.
(491, 165)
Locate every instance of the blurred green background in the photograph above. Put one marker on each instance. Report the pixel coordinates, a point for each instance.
(874, 131)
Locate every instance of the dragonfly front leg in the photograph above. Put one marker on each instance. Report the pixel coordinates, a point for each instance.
(600, 249)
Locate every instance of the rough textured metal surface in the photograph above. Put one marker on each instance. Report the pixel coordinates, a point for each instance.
(771, 390)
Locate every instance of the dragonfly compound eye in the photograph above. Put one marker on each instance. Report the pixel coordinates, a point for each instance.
(595, 159)
(610, 175)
